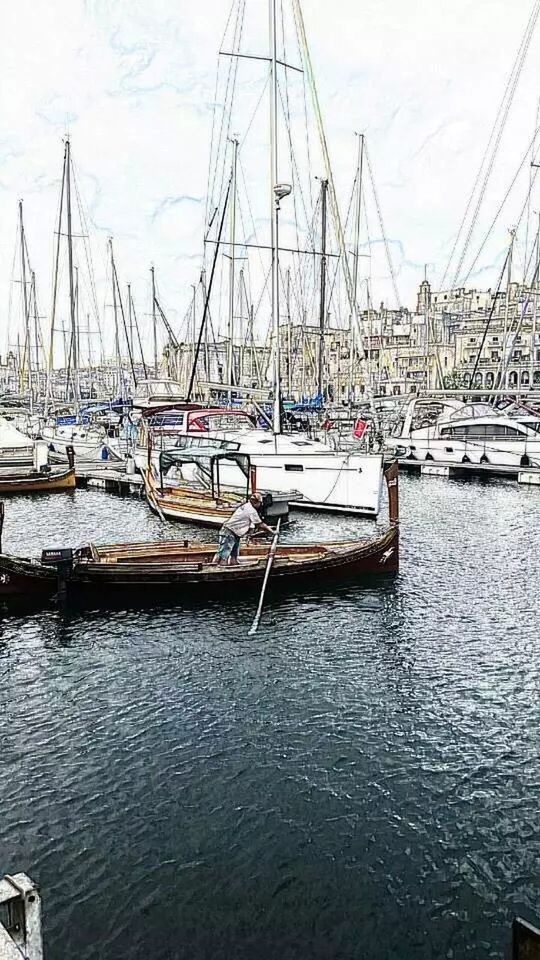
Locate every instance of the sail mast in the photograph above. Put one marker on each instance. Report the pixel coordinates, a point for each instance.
(274, 206)
(356, 262)
(322, 304)
(115, 313)
(232, 264)
(154, 321)
(74, 351)
(28, 348)
(334, 208)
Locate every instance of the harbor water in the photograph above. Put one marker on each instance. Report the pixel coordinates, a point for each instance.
(358, 780)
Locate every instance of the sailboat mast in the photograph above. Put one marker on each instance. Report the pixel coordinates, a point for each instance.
(28, 348)
(74, 351)
(358, 215)
(322, 304)
(130, 318)
(232, 264)
(154, 321)
(356, 263)
(37, 337)
(289, 336)
(115, 312)
(274, 207)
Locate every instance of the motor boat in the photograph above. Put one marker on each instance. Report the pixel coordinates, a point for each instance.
(453, 431)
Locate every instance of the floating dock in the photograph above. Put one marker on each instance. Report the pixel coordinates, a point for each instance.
(529, 476)
(111, 476)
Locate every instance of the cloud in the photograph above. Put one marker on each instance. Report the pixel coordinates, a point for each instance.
(134, 83)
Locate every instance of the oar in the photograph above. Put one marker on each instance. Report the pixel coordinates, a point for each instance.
(269, 562)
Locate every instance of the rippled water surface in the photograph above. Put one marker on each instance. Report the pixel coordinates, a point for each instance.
(360, 780)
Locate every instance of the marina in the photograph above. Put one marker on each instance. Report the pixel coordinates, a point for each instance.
(269, 482)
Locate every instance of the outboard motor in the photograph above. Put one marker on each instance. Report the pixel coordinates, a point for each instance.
(275, 506)
(62, 559)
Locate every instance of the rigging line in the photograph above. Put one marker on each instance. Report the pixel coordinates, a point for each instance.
(294, 163)
(250, 210)
(138, 332)
(304, 100)
(333, 282)
(124, 324)
(535, 243)
(85, 236)
(55, 279)
(495, 135)
(497, 214)
(507, 350)
(229, 96)
(334, 207)
(533, 160)
(285, 103)
(88, 258)
(255, 111)
(90, 269)
(490, 317)
(11, 285)
(209, 186)
(236, 4)
(247, 267)
(379, 214)
(298, 182)
(207, 300)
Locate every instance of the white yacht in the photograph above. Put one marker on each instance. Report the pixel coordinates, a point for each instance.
(324, 479)
(453, 431)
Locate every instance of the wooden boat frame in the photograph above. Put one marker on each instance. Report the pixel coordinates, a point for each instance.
(183, 501)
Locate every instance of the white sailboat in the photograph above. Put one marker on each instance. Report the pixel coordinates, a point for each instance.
(325, 479)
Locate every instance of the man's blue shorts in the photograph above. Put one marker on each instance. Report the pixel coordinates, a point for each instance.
(229, 544)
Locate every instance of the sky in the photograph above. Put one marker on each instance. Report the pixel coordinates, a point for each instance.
(133, 83)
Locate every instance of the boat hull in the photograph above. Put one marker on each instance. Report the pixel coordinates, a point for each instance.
(498, 453)
(144, 581)
(35, 482)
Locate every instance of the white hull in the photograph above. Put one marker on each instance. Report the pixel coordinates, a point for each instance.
(350, 484)
(499, 452)
(89, 449)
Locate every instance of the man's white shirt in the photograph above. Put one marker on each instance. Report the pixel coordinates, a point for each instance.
(244, 518)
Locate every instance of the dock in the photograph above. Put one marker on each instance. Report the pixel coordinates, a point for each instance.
(111, 476)
(527, 476)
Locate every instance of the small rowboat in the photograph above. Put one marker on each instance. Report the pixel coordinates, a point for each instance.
(201, 498)
(178, 569)
(18, 480)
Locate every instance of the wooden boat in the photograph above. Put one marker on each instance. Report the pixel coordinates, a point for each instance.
(201, 499)
(177, 569)
(17, 480)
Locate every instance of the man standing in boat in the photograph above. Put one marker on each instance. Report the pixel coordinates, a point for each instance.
(244, 519)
